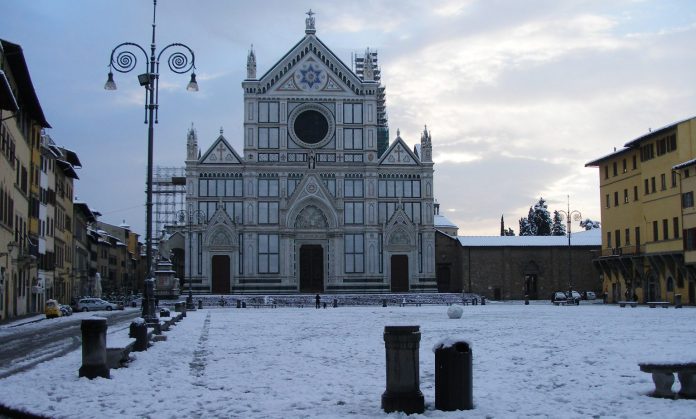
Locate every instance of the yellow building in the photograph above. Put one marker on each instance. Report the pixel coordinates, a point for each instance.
(22, 120)
(642, 255)
(687, 176)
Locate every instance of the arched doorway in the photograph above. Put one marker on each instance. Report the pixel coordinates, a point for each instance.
(530, 286)
(220, 274)
(311, 268)
(399, 273)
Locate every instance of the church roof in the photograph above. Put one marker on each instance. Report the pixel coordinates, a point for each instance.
(310, 44)
(582, 238)
(441, 221)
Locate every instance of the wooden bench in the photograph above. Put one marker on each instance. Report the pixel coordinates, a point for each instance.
(663, 377)
(654, 304)
(633, 304)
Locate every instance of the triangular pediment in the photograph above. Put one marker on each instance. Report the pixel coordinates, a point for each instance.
(312, 192)
(311, 67)
(221, 152)
(398, 154)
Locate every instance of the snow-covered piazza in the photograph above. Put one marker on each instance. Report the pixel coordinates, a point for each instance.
(528, 361)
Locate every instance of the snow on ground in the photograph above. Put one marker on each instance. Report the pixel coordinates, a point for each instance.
(528, 361)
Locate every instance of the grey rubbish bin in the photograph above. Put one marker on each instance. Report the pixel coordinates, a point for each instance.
(453, 376)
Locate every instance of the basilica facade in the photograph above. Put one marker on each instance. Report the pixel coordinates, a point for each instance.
(319, 199)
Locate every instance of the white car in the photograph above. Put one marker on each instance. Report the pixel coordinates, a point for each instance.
(90, 304)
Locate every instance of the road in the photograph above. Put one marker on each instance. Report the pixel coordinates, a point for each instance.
(26, 345)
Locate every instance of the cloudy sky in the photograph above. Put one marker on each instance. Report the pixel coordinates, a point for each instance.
(518, 95)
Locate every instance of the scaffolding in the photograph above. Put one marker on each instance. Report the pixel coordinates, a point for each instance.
(169, 192)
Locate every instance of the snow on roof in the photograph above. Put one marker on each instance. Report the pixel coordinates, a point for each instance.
(582, 238)
(685, 164)
(442, 221)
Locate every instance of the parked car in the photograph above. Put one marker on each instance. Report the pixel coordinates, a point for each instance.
(52, 309)
(66, 310)
(90, 304)
(589, 295)
(575, 296)
(120, 305)
(558, 296)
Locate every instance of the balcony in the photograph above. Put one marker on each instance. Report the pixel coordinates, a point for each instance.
(619, 251)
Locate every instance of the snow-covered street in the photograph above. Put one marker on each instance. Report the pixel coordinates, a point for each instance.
(529, 361)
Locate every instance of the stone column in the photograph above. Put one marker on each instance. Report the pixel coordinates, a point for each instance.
(403, 381)
(94, 348)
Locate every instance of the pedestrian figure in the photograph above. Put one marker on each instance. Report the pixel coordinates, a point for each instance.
(317, 299)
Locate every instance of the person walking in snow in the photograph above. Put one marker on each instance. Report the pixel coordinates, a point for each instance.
(317, 299)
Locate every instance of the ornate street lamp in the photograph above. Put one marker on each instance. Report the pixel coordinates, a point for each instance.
(577, 216)
(189, 216)
(124, 59)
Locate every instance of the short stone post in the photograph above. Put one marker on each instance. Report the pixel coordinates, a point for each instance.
(335, 302)
(183, 309)
(138, 330)
(239, 303)
(483, 300)
(384, 302)
(677, 301)
(526, 300)
(403, 380)
(94, 348)
(200, 304)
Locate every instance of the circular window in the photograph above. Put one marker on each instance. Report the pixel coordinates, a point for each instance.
(310, 126)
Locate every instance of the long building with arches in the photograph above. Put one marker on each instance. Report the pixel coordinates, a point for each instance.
(319, 199)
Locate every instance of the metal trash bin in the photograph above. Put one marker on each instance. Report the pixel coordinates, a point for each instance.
(453, 376)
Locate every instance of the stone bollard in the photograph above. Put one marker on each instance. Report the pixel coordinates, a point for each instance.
(526, 300)
(453, 376)
(384, 302)
(677, 301)
(200, 304)
(403, 381)
(483, 300)
(94, 348)
(138, 330)
(243, 304)
(183, 309)
(239, 303)
(335, 302)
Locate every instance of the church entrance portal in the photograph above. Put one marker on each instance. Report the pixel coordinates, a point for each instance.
(311, 268)
(399, 273)
(221, 274)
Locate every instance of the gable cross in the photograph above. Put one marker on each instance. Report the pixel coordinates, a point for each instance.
(398, 153)
(220, 149)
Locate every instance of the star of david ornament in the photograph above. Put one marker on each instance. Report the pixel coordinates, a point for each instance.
(310, 78)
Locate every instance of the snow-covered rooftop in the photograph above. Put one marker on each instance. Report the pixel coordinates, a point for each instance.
(442, 221)
(582, 238)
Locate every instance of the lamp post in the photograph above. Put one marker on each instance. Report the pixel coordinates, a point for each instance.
(577, 216)
(124, 59)
(188, 216)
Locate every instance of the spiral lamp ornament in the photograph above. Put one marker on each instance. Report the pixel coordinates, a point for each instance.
(124, 59)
